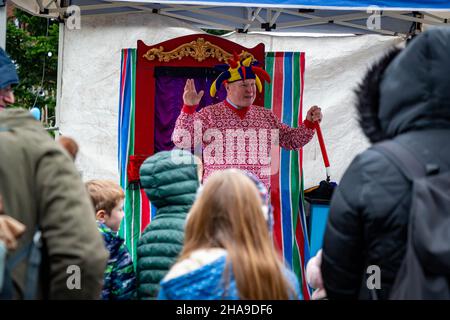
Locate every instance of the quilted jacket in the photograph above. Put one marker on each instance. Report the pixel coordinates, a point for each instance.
(170, 181)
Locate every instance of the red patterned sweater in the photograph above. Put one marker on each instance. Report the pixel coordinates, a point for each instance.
(243, 139)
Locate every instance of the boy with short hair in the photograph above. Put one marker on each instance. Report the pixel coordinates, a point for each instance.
(119, 279)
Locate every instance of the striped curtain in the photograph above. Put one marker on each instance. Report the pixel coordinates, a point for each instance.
(138, 210)
(284, 97)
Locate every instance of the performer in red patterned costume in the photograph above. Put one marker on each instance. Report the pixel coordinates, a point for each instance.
(216, 128)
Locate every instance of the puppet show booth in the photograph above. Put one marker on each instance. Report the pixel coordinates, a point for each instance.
(152, 83)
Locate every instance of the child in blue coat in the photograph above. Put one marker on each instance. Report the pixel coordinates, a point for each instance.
(119, 278)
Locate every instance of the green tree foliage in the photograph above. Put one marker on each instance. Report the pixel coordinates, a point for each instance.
(29, 41)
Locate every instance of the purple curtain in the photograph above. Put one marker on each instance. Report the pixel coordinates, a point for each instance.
(169, 101)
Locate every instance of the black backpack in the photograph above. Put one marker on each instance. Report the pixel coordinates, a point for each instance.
(425, 269)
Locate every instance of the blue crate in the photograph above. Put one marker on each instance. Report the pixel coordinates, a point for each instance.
(318, 221)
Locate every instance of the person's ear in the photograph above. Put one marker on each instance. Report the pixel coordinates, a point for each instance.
(100, 215)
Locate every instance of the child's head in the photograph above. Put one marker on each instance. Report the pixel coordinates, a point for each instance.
(107, 197)
(69, 145)
(228, 209)
(228, 214)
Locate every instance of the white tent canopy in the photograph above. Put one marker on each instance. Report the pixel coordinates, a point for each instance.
(89, 63)
(396, 17)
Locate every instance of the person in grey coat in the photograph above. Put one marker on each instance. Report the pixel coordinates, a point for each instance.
(42, 189)
(404, 97)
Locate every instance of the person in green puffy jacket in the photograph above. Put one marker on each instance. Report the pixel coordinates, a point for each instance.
(170, 180)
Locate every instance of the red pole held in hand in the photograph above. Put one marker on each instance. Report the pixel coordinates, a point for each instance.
(323, 149)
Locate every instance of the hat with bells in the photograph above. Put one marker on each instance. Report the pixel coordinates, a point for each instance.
(237, 70)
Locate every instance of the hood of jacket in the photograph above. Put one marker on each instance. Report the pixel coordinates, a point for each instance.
(111, 239)
(170, 178)
(18, 118)
(407, 90)
(209, 283)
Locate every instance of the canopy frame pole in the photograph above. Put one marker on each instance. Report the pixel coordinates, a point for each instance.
(275, 17)
(442, 20)
(3, 24)
(323, 20)
(409, 18)
(174, 7)
(217, 25)
(252, 15)
(59, 82)
(381, 31)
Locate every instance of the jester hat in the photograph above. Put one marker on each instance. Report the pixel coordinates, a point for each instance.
(239, 70)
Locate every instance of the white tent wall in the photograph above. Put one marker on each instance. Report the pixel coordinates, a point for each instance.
(89, 102)
(88, 108)
(334, 66)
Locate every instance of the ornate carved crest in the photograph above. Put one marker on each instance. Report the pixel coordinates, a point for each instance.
(198, 49)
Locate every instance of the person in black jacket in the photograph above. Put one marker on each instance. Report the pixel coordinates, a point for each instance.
(404, 97)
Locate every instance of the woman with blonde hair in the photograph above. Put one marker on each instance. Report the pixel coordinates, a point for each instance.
(228, 252)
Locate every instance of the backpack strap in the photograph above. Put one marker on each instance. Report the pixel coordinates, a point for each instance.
(31, 252)
(404, 159)
(6, 293)
(33, 268)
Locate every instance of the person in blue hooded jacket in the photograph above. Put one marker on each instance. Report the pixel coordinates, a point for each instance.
(228, 252)
(119, 279)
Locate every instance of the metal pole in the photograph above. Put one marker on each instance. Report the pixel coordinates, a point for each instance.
(3, 16)
(59, 82)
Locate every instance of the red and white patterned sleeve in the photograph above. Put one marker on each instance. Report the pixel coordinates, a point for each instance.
(293, 138)
(183, 133)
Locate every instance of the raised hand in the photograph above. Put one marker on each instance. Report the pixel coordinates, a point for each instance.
(314, 114)
(190, 95)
